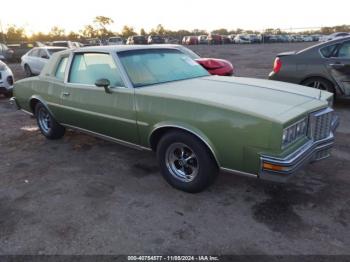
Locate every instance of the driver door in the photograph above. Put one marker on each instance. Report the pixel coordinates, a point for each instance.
(89, 107)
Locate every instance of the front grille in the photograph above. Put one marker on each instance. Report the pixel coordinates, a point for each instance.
(321, 124)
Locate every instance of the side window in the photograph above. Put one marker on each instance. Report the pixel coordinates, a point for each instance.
(61, 68)
(328, 51)
(35, 52)
(89, 67)
(42, 53)
(344, 50)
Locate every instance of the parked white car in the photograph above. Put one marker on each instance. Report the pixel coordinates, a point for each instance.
(242, 39)
(307, 38)
(116, 40)
(330, 37)
(6, 80)
(35, 59)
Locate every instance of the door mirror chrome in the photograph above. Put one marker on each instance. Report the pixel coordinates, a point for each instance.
(104, 83)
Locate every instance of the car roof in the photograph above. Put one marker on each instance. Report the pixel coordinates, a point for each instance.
(324, 44)
(122, 48)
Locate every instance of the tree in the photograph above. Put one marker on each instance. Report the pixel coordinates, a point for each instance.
(102, 23)
(15, 34)
(221, 31)
(143, 32)
(159, 30)
(199, 32)
(89, 32)
(128, 31)
(57, 33)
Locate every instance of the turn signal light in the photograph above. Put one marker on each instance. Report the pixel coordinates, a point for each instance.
(273, 167)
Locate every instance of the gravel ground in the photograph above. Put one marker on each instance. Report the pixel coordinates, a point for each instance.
(82, 195)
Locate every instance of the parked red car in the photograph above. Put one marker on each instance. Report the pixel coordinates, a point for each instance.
(192, 40)
(216, 66)
(214, 39)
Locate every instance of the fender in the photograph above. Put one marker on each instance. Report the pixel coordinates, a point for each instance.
(188, 128)
(42, 101)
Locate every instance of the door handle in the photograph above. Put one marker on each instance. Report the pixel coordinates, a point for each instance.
(337, 65)
(65, 94)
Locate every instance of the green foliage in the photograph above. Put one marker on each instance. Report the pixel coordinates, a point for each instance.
(143, 32)
(128, 31)
(15, 34)
(100, 29)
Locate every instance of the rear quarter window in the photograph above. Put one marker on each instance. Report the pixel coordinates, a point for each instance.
(61, 68)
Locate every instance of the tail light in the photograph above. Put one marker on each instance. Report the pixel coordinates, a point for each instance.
(277, 65)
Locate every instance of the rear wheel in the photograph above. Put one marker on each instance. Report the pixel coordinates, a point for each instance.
(28, 71)
(185, 162)
(48, 126)
(319, 83)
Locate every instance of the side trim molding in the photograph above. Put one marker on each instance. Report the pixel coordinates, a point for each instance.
(108, 138)
(236, 172)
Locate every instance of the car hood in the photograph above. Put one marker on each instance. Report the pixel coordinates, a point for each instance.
(264, 98)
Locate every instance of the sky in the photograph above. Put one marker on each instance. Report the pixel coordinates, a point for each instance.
(41, 15)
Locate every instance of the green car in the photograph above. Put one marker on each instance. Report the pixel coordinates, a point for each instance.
(157, 98)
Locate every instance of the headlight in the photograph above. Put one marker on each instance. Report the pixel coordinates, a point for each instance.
(294, 132)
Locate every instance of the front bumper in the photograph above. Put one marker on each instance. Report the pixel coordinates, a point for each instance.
(289, 165)
(14, 103)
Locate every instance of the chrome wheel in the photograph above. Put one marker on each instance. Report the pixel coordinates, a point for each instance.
(182, 162)
(44, 120)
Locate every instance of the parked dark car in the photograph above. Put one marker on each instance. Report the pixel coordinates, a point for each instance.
(214, 39)
(155, 39)
(5, 52)
(225, 40)
(323, 66)
(20, 49)
(137, 40)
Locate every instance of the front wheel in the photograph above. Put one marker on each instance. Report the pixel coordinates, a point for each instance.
(28, 71)
(185, 162)
(48, 126)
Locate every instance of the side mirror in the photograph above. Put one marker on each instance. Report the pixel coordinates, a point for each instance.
(45, 57)
(104, 83)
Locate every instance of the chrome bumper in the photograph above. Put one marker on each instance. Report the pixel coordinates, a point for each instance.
(13, 102)
(309, 152)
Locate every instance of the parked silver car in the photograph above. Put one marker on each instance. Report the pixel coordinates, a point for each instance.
(35, 59)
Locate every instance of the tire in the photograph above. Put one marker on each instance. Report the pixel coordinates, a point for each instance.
(185, 162)
(319, 83)
(48, 126)
(28, 71)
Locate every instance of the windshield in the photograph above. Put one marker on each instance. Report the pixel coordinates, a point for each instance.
(155, 66)
(54, 50)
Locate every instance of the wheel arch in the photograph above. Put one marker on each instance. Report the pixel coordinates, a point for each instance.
(323, 77)
(34, 100)
(160, 130)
